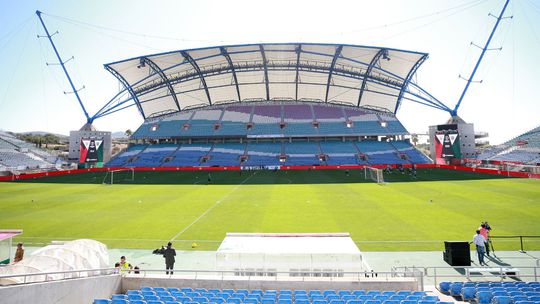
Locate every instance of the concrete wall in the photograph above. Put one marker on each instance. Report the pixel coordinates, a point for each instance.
(74, 291)
(136, 281)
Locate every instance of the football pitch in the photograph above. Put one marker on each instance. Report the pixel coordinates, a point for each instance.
(405, 213)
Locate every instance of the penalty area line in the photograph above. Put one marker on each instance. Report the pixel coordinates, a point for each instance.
(212, 207)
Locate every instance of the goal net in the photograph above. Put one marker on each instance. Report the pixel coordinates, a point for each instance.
(374, 174)
(117, 176)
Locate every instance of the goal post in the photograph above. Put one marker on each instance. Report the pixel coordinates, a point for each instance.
(374, 174)
(113, 176)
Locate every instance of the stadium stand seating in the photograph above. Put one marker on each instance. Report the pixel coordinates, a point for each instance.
(270, 134)
(512, 292)
(524, 149)
(16, 154)
(174, 295)
(268, 153)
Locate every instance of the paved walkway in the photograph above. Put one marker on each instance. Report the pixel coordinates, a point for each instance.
(379, 261)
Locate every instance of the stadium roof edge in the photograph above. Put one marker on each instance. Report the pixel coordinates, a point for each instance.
(336, 73)
(262, 43)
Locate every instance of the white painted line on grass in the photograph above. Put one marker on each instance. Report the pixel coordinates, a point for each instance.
(212, 207)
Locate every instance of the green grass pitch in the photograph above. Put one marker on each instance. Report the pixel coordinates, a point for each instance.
(403, 214)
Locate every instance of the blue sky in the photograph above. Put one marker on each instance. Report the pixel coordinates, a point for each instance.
(505, 104)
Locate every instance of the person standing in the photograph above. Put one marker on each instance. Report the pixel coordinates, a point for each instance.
(19, 253)
(480, 243)
(485, 233)
(169, 255)
(124, 265)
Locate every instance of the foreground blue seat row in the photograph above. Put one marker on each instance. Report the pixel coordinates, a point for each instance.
(157, 295)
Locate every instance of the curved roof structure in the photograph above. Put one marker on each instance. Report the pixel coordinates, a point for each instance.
(346, 74)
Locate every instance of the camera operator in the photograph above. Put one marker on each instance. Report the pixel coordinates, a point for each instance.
(484, 231)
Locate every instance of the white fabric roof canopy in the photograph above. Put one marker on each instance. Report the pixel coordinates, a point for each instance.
(349, 74)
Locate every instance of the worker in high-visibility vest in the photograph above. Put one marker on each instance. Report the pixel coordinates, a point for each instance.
(124, 265)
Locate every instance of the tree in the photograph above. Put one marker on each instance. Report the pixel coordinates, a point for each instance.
(128, 133)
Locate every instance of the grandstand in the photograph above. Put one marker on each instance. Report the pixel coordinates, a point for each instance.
(269, 105)
(523, 149)
(19, 155)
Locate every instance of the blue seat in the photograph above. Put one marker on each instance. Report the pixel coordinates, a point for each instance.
(484, 297)
(519, 299)
(418, 293)
(251, 301)
(344, 293)
(314, 292)
(147, 288)
(332, 297)
(137, 302)
(234, 300)
(414, 298)
(337, 302)
(391, 302)
(168, 302)
(227, 290)
(183, 299)
(299, 301)
(120, 301)
(319, 302)
(119, 297)
(365, 297)
(223, 295)
(218, 300)
(374, 292)
(524, 302)
(502, 300)
(398, 297)
(163, 293)
(155, 302)
(281, 301)
(430, 298)
(355, 302)
(192, 294)
(348, 297)
(200, 300)
(317, 297)
(301, 296)
(173, 289)
(132, 297)
(138, 292)
(269, 300)
(408, 292)
(286, 296)
(167, 298)
(102, 301)
(329, 292)
(358, 292)
(534, 298)
(409, 302)
(388, 293)
(157, 289)
(151, 298)
(186, 289)
(200, 290)
(455, 288)
(148, 293)
(426, 302)
(372, 302)
(244, 291)
(468, 293)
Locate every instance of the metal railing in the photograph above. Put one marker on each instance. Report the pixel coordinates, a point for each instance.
(36, 277)
(223, 275)
(521, 237)
(471, 273)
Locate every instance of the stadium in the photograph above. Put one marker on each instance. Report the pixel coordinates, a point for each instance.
(281, 174)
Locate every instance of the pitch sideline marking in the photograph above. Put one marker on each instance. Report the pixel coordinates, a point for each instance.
(212, 207)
